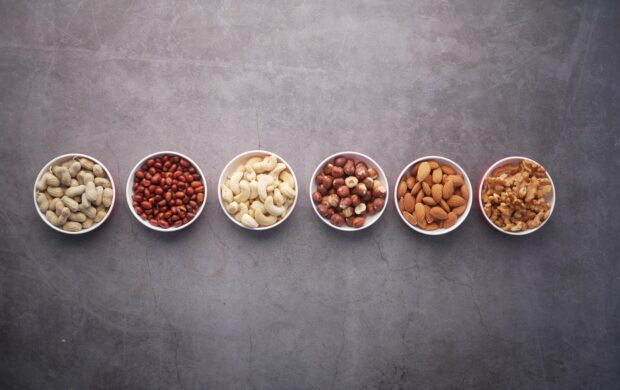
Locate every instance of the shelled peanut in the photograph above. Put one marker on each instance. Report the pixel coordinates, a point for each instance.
(432, 196)
(167, 191)
(347, 191)
(75, 194)
(514, 196)
(259, 192)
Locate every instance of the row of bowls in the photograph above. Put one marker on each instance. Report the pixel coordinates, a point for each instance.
(241, 158)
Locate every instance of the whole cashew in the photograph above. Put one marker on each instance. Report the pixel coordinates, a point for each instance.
(243, 209)
(278, 199)
(253, 189)
(233, 183)
(244, 191)
(262, 219)
(287, 190)
(233, 207)
(249, 174)
(287, 178)
(227, 194)
(272, 208)
(248, 221)
(277, 170)
(267, 165)
(263, 182)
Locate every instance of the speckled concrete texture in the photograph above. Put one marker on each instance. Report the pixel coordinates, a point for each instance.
(303, 306)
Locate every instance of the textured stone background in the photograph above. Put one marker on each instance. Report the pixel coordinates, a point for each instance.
(305, 307)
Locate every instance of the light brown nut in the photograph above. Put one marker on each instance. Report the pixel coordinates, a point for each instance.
(410, 218)
(450, 220)
(437, 192)
(423, 171)
(420, 212)
(410, 182)
(448, 170)
(456, 201)
(408, 203)
(438, 213)
(429, 201)
(437, 175)
(448, 189)
(426, 188)
(72, 226)
(402, 189)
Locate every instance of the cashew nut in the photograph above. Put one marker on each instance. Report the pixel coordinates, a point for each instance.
(249, 174)
(263, 182)
(287, 191)
(232, 208)
(243, 209)
(244, 191)
(287, 178)
(262, 219)
(278, 199)
(267, 165)
(248, 221)
(280, 167)
(253, 189)
(233, 184)
(272, 208)
(227, 194)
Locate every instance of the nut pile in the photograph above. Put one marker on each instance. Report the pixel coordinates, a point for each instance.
(74, 195)
(514, 196)
(347, 191)
(167, 191)
(432, 196)
(259, 192)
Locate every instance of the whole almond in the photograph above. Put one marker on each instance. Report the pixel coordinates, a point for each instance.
(448, 188)
(427, 214)
(437, 192)
(408, 202)
(419, 196)
(456, 201)
(426, 188)
(429, 201)
(450, 221)
(423, 171)
(432, 226)
(410, 218)
(457, 180)
(444, 206)
(438, 213)
(401, 204)
(414, 169)
(448, 170)
(459, 210)
(410, 182)
(437, 175)
(464, 192)
(433, 164)
(416, 188)
(420, 213)
(402, 188)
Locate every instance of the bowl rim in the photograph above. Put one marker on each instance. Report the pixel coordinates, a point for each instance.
(249, 154)
(460, 219)
(494, 166)
(129, 191)
(62, 158)
(381, 174)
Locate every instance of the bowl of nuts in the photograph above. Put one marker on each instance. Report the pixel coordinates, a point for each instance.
(257, 190)
(433, 195)
(74, 193)
(166, 191)
(349, 191)
(516, 195)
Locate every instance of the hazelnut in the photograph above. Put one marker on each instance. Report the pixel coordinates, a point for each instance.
(351, 181)
(378, 204)
(337, 172)
(322, 209)
(344, 203)
(330, 212)
(361, 164)
(343, 191)
(367, 197)
(321, 189)
(317, 197)
(349, 168)
(327, 182)
(339, 182)
(360, 209)
(370, 208)
(360, 189)
(349, 221)
(331, 191)
(369, 183)
(340, 161)
(378, 191)
(327, 169)
(333, 200)
(319, 178)
(357, 222)
(372, 173)
(355, 200)
(347, 212)
(336, 219)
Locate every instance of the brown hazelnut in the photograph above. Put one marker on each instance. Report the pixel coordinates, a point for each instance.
(378, 204)
(327, 169)
(347, 212)
(351, 181)
(339, 182)
(361, 172)
(378, 191)
(317, 197)
(340, 161)
(336, 219)
(345, 202)
(322, 209)
(360, 189)
(372, 173)
(369, 183)
(321, 189)
(355, 200)
(349, 168)
(319, 178)
(331, 191)
(357, 222)
(337, 172)
(349, 221)
(360, 209)
(343, 191)
(333, 200)
(327, 182)
(361, 164)
(367, 197)
(370, 208)
(330, 212)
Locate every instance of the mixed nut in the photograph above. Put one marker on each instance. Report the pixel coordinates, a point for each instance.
(260, 192)
(347, 191)
(75, 194)
(167, 191)
(514, 196)
(432, 196)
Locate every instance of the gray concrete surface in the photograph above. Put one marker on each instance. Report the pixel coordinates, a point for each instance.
(305, 307)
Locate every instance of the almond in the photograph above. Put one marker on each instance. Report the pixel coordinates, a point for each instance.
(437, 192)
(414, 169)
(416, 188)
(448, 189)
(457, 180)
(432, 226)
(448, 170)
(456, 201)
(429, 201)
(423, 171)
(401, 204)
(420, 213)
(450, 221)
(410, 218)
(464, 192)
(437, 176)
(426, 188)
(427, 214)
(419, 196)
(433, 164)
(438, 213)
(408, 202)
(444, 206)
(402, 189)
(459, 210)
(410, 182)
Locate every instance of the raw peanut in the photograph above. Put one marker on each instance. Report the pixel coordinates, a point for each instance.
(54, 203)
(437, 192)
(448, 170)
(74, 168)
(77, 217)
(408, 203)
(99, 199)
(456, 201)
(43, 181)
(437, 176)
(74, 183)
(64, 215)
(62, 174)
(450, 220)
(71, 204)
(86, 177)
(98, 171)
(72, 226)
(423, 171)
(51, 217)
(85, 202)
(88, 223)
(402, 188)
(99, 216)
(420, 212)
(448, 189)
(438, 213)
(429, 201)
(90, 212)
(86, 164)
(75, 191)
(103, 182)
(107, 197)
(90, 191)
(55, 192)
(42, 202)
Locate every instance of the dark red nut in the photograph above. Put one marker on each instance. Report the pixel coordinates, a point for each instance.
(343, 191)
(378, 191)
(317, 197)
(327, 169)
(339, 182)
(163, 224)
(200, 198)
(357, 222)
(340, 161)
(330, 212)
(344, 203)
(337, 172)
(361, 172)
(378, 204)
(322, 209)
(369, 183)
(321, 189)
(319, 178)
(372, 173)
(355, 200)
(360, 190)
(184, 163)
(349, 167)
(146, 205)
(370, 208)
(139, 175)
(150, 162)
(368, 197)
(327, 182)
(336, 220)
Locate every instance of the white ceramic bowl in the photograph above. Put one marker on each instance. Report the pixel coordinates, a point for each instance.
(441, 161)
(512, 160)
(59, 160)
(230, 169)
(370, 219)
(129, 191)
